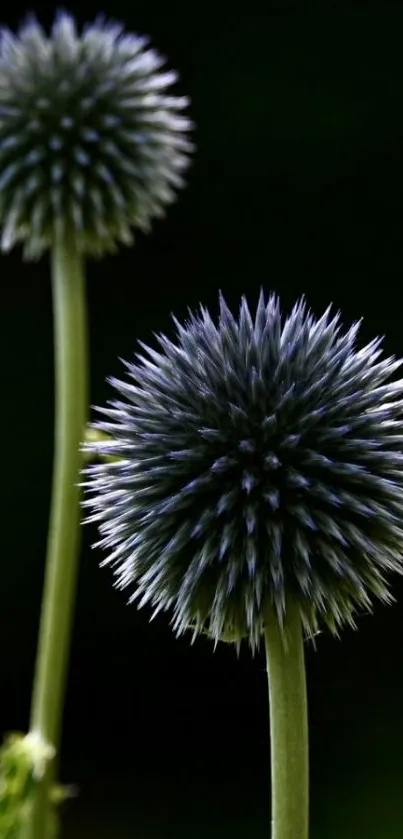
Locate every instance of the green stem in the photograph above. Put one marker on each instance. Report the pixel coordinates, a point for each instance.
(71, 408)
(288, 725)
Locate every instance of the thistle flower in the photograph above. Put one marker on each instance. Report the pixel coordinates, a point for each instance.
(92, 145)
(91, 141)
(260, 461)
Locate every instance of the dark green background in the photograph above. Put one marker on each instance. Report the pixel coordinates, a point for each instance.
(296, 187)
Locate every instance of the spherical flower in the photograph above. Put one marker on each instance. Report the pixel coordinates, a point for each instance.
(92, 141)
(260, 460)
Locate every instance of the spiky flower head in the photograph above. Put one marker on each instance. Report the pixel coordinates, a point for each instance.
(92, 142)
(261, 460)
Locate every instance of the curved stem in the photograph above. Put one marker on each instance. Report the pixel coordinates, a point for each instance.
(71, 408)
(288, 725)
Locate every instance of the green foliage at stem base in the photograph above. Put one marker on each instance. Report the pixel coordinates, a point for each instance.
(23, 758)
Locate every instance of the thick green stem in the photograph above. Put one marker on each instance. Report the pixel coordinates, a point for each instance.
(288, 726)
(71, 408)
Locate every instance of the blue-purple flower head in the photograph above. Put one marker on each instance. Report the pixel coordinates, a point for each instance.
(93, 142)
(259, 459)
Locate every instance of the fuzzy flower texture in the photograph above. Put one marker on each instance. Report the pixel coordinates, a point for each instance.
(91, 141)
(261, 459)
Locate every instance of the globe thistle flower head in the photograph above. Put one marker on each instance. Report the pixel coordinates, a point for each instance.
(92, 141)
(260, 460)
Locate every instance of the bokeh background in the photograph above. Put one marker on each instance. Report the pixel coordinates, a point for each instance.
(297, 187)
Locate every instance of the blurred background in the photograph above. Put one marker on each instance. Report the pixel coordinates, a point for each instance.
(297, 187)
